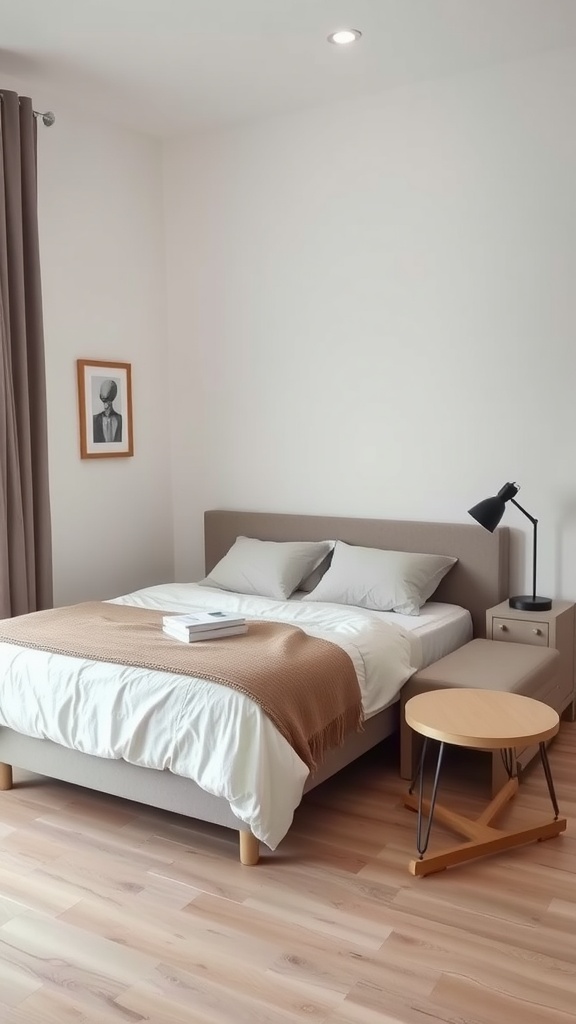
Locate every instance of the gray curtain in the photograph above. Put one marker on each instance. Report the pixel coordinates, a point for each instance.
(25, 536)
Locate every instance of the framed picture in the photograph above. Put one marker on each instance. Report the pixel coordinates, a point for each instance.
(105, 409)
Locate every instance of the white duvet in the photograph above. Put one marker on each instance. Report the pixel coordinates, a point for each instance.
(195, 728)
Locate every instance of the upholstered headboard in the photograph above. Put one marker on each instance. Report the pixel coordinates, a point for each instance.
(478, 580)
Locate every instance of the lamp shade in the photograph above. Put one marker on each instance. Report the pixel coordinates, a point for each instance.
(488, 512)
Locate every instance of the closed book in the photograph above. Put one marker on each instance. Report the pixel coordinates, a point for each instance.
(200, 621)
(207, 634)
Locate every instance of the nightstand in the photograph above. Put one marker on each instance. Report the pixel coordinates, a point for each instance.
(554, 628)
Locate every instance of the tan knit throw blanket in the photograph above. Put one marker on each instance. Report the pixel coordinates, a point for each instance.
(306, 686)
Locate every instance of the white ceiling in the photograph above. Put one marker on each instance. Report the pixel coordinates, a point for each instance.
(166, 66)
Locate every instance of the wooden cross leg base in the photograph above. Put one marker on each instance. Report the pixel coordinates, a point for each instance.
(483, 838)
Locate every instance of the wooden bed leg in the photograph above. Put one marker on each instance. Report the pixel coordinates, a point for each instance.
(5, 776)
(249, 849)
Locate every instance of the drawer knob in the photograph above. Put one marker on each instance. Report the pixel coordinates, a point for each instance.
(502, 627)
(537, 632)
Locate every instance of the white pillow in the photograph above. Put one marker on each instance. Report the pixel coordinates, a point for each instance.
(386, 581)
(266, 567)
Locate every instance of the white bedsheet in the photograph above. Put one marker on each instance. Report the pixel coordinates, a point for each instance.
(438, 629)
(435, 632)
(194, 728)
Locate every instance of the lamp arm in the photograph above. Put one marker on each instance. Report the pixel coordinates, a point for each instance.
(534, 546)
(518, 505)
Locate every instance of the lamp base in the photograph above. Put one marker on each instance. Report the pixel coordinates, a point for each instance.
(527, 603)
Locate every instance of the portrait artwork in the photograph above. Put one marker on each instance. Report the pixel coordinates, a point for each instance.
(105, 409)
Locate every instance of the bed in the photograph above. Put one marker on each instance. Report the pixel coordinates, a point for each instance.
(478, 580)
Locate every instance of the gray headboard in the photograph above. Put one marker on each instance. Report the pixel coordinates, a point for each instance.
(478, 581)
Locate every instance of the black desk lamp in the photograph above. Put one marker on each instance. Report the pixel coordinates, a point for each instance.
(489, 513)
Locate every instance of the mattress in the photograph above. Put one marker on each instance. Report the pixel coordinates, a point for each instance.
(436, 632)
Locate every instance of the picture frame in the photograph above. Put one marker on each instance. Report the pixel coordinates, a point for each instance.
(105, 409)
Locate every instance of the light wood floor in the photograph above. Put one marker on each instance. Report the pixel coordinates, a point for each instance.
(113, 912)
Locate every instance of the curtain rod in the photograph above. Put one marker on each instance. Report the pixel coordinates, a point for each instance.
(48, 118)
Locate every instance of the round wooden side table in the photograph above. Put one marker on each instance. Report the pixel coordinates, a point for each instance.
(489, 720)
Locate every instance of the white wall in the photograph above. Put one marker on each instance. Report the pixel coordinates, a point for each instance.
(372, 310)
(103, 272)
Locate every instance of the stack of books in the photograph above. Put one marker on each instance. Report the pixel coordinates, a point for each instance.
(203, 626)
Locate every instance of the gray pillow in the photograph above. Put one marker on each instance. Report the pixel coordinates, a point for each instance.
(267, 568)
(316, 575)
(386, 581)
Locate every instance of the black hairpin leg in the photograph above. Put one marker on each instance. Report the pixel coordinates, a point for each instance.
(549, 779)
(420, 767)
(508, 757)
(423, 840)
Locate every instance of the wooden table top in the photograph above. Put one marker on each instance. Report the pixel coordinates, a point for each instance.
(481, 718)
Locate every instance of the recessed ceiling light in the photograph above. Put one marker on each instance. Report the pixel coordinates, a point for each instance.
(344, 36)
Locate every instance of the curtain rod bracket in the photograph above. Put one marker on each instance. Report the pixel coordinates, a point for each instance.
(48, 118)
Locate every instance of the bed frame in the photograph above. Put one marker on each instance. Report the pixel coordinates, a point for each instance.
(478, 581)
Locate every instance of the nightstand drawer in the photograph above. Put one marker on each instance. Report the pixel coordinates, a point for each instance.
(519, 631)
